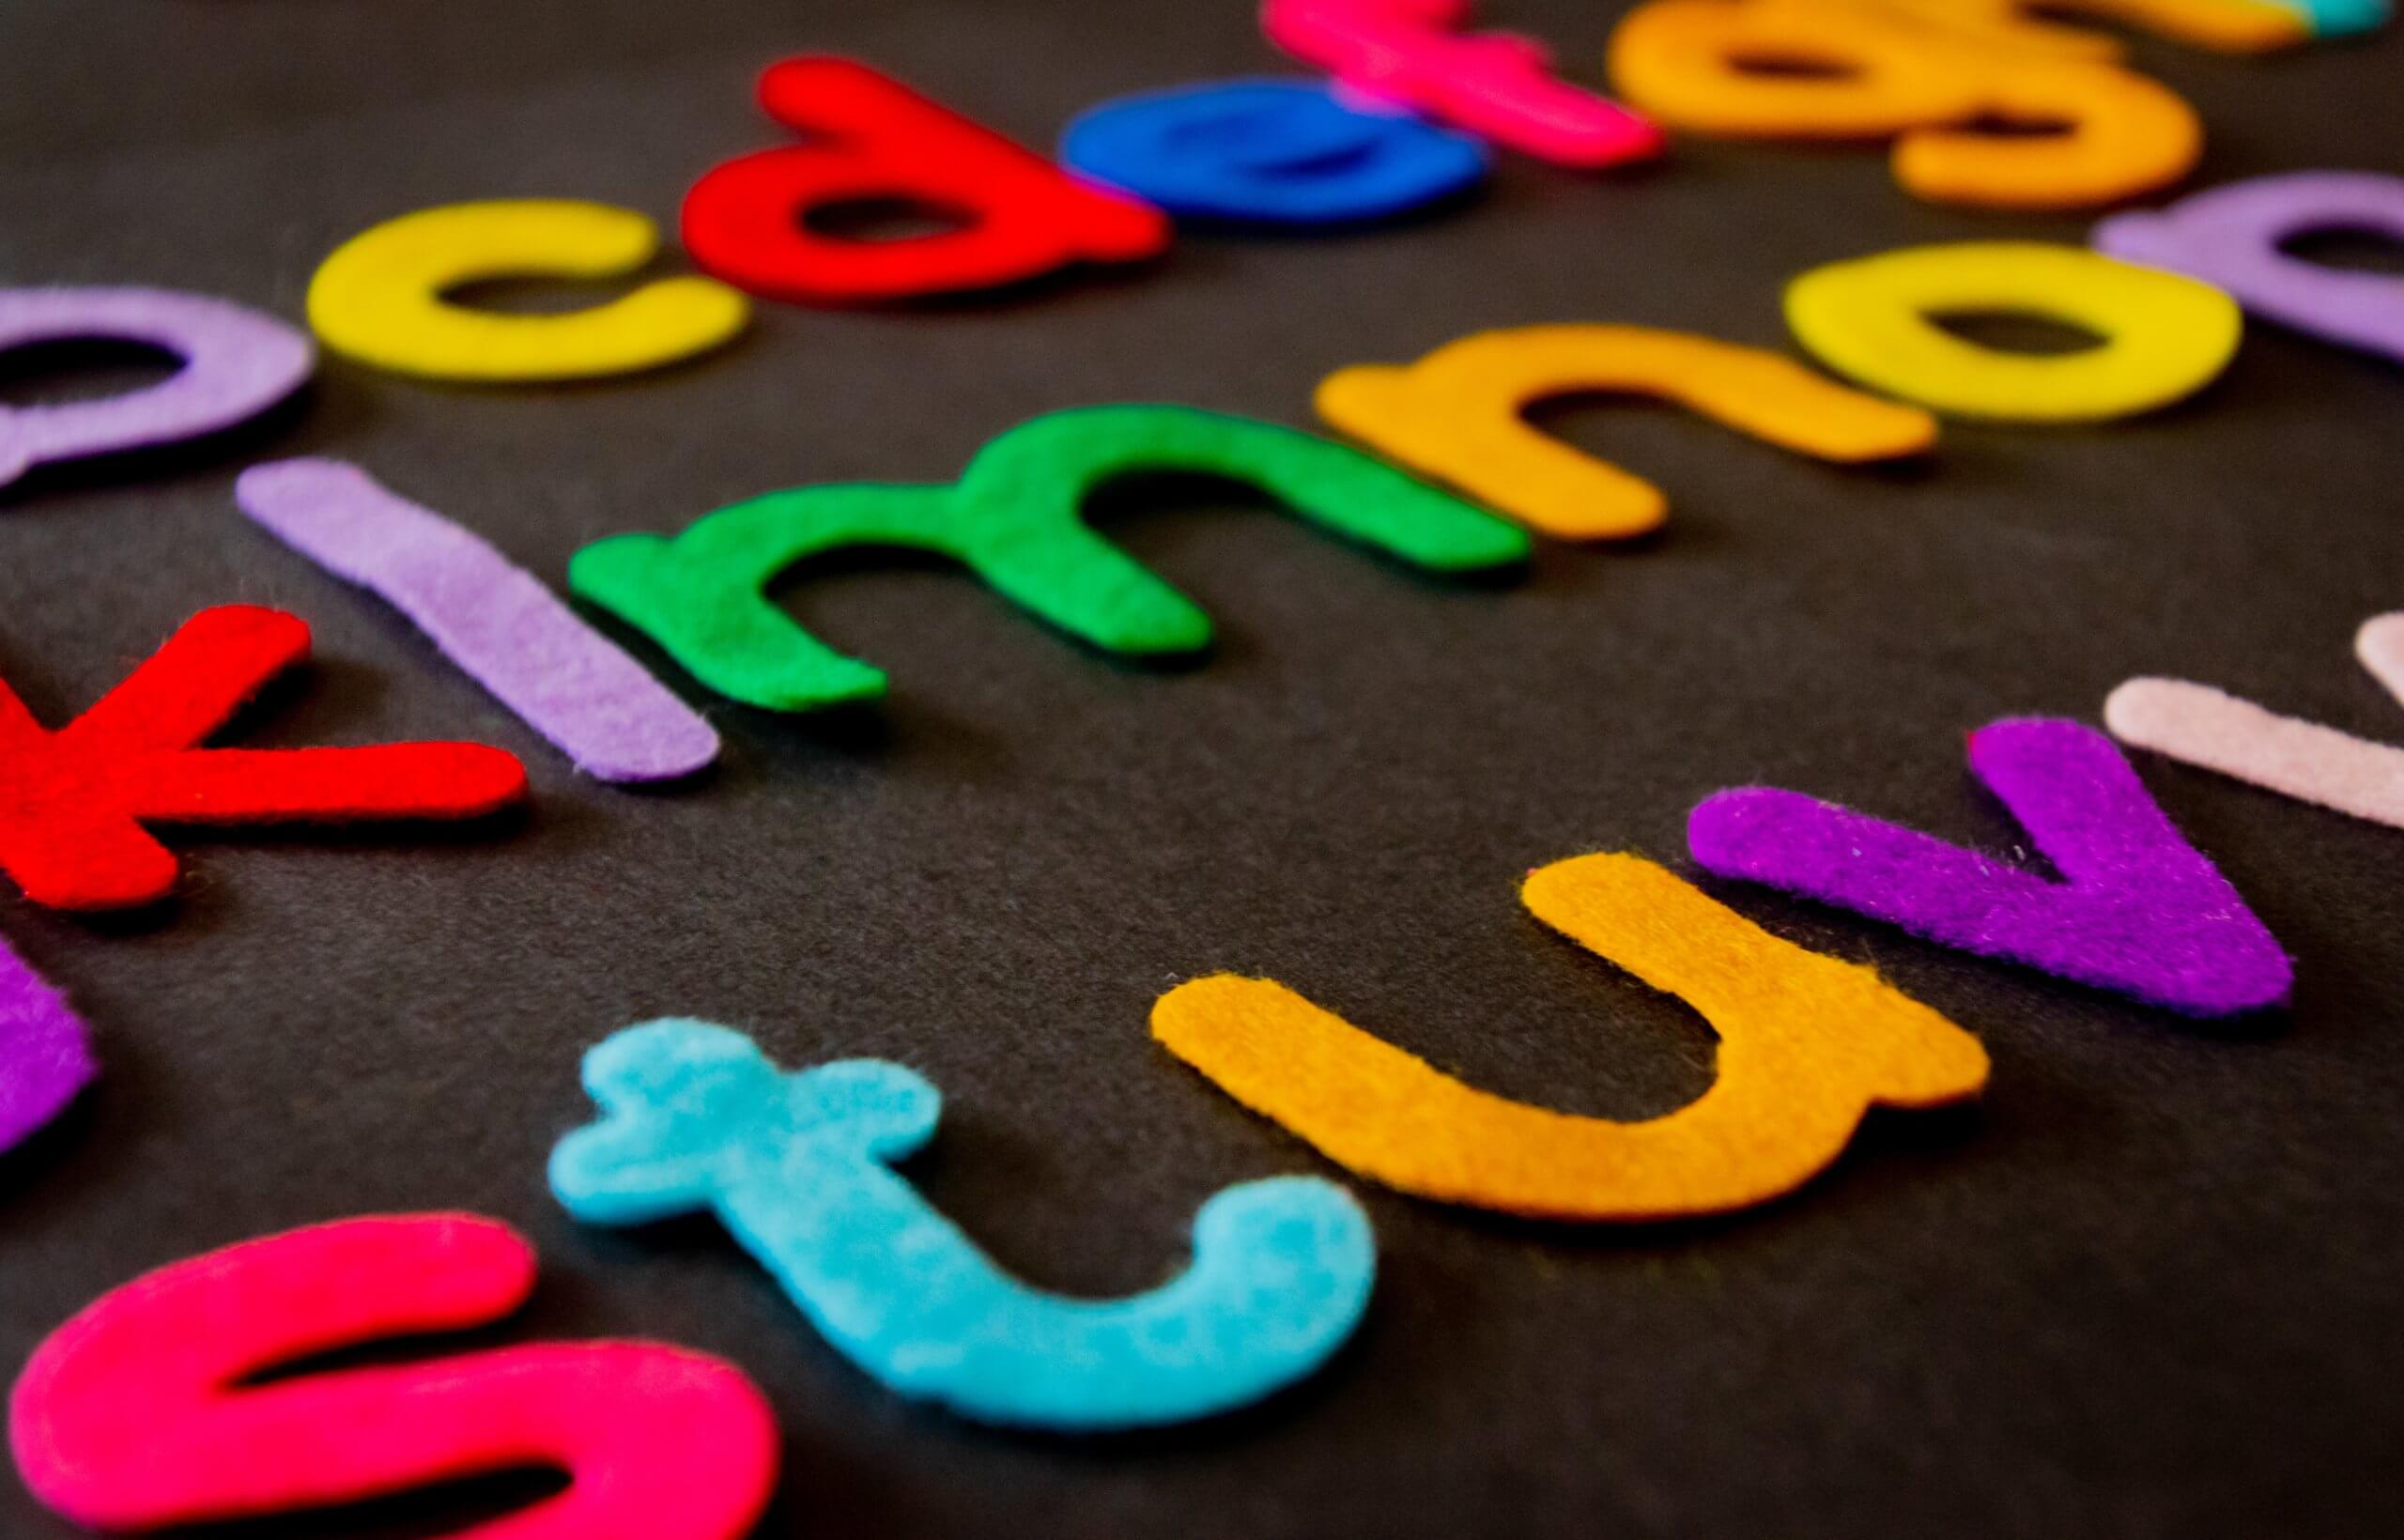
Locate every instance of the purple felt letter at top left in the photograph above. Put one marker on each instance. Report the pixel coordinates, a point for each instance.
(45, 1052)
(2139, 909)
(236, 363)
(493, 620)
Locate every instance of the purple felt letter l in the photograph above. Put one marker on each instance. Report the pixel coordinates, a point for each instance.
(45, 1053)
(496, 621)
(2140, 910)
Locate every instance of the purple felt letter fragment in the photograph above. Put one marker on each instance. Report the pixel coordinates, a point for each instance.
(45, 1052)
(493, 620)
(2230, 236)
(2139, 911)
(236, 363)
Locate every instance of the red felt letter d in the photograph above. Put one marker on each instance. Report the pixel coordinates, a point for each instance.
(1018, 215)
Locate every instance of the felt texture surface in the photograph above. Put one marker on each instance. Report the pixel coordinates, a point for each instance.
(2001, 26)
(2228, 27)
(1020, 216)
(74, 801)
(2145, 1285)
(1014, 518)
(2202, 725)
(1860, 74)
(1497, 84)
(496, 621)
(2138, 908)
(1807, 1045)
(1272, 152)
(45, 1049)
(135, 1415)
(795, 1165)
(379, 298)
(2232, 239)
(2344, 18)
(236, 363)
(1455, 416)
(1873, 320)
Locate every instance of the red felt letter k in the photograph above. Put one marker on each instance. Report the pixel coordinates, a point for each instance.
(72, 802)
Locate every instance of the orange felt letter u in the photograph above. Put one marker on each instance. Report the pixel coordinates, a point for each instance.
(1808, 1044)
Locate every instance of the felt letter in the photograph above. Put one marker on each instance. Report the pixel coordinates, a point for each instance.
(2201, 726)
(45, 1051)
(1454, 416)
(1807, 1045)
(2140, 910)
(2341, 18)
(874, 139)
(1709, 66)
(496, 621)
(134, 1416)
(1012, 519)
(2166, 337)
(379, 297)
(2225, 26)
(795, 1165)
(2229, 237)
(1269, 152)
(1495, 85)
(72, 802)
(236, 363)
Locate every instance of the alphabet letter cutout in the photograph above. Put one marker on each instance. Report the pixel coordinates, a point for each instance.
(379, 297)
(2229, 237)
(2166, 336)
(1696, 64)
(45, 1049)
(794, 1164)
(2342, 18)
(2140, 910)
(1270, 152)
(2223, 26)
(1496, 84)
(2201, 726)
(134, 1416)
(1807, 1045)
(72, 802)
(1012, 519)
(875, 139)
(236, 363)
(493, 620)
(1454, 416)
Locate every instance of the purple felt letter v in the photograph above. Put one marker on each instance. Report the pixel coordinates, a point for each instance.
(2140, 910)
(495, 620)
(45, 1053)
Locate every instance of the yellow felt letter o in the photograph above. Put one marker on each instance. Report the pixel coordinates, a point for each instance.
(2166, 336)
(379, 297)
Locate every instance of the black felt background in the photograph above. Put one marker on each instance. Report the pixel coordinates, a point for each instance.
(2147, 1289)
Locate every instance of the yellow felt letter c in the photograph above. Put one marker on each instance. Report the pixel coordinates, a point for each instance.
(1455, 416)
(1808, 1044)
(379, 297)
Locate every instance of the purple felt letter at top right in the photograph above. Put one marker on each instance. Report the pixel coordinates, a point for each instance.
(2140, 911)
(2229, 236)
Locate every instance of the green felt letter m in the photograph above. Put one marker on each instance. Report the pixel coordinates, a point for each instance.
(1014, 521)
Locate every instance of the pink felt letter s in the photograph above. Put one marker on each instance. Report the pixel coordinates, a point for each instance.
(132, 1415)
